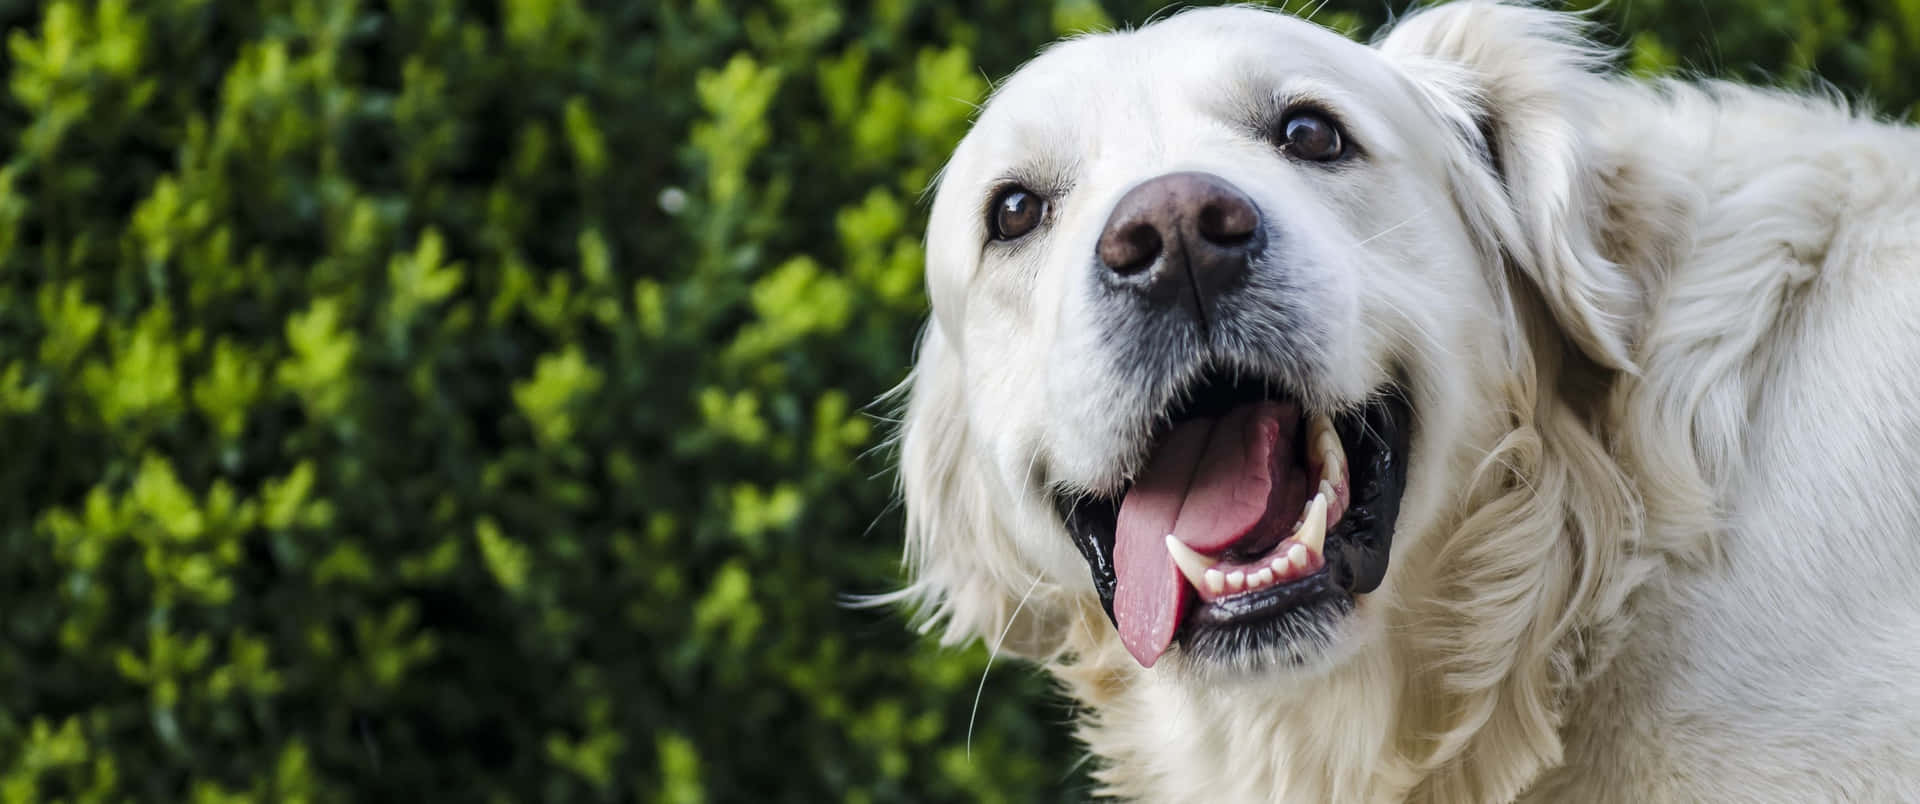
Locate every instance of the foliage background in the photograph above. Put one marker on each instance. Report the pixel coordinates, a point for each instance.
(470, 400)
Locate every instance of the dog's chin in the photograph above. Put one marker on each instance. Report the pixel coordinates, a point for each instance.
(1312, 642)
(1269, 616)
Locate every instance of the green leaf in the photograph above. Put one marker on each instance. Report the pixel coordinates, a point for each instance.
(504, 557)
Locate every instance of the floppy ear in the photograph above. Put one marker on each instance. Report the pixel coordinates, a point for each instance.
(965, 568)
(1519, 83)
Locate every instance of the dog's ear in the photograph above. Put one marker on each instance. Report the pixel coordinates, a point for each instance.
(1518, 84)
(965, 567)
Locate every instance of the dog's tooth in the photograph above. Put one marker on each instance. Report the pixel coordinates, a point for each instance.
(1216, 582)
(1333, 457)
(1236, 581)
(1297, 556)
(1317, 427)
(1191, 564)
(1326, 489)
(1328, 443)
(1259, 579)
(1313, 532)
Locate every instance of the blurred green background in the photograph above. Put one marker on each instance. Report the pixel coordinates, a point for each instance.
(472, 401)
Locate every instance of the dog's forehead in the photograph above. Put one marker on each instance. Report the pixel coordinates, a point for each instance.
(1202, 57)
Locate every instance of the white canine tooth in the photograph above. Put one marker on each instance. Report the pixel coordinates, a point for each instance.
(1333, 457)
(1236, 581)
(1328, 443)
(1259, 579)
(1318, 426)
(1297, 556)
(1191, 564)
(1326, 489)
(1216, 582)
(1313, 532)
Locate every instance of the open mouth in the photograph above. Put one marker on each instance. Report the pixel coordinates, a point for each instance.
(1253, 525)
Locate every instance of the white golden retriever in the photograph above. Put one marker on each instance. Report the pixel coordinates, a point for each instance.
(1441, 420)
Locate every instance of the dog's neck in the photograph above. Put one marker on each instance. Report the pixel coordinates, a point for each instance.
(1251, 744)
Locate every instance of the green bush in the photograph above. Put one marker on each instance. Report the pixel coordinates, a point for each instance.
(404, 398)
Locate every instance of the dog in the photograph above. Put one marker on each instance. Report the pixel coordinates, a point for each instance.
(1440, 419)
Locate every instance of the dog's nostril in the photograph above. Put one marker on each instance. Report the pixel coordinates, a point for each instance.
(1227, 221)
(1180, 238)
(1130, 248)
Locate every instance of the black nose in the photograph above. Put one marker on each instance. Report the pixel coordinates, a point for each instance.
(1181, 227)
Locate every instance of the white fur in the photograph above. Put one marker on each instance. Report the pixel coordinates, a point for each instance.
(1659, 539)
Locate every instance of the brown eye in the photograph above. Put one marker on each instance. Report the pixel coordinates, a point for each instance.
(1016, 211)
(1311, 136)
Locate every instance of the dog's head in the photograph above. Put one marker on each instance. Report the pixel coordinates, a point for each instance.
(1227, 309)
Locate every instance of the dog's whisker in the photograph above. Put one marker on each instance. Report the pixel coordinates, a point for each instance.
(991, 655)
(1391, 229)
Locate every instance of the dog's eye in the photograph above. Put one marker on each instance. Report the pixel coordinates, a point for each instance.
(1015, 212)
(1311, 136)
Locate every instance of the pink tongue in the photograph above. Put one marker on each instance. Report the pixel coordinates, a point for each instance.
(1209, 483)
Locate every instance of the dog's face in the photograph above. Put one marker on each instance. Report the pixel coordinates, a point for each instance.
(1212, 301)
